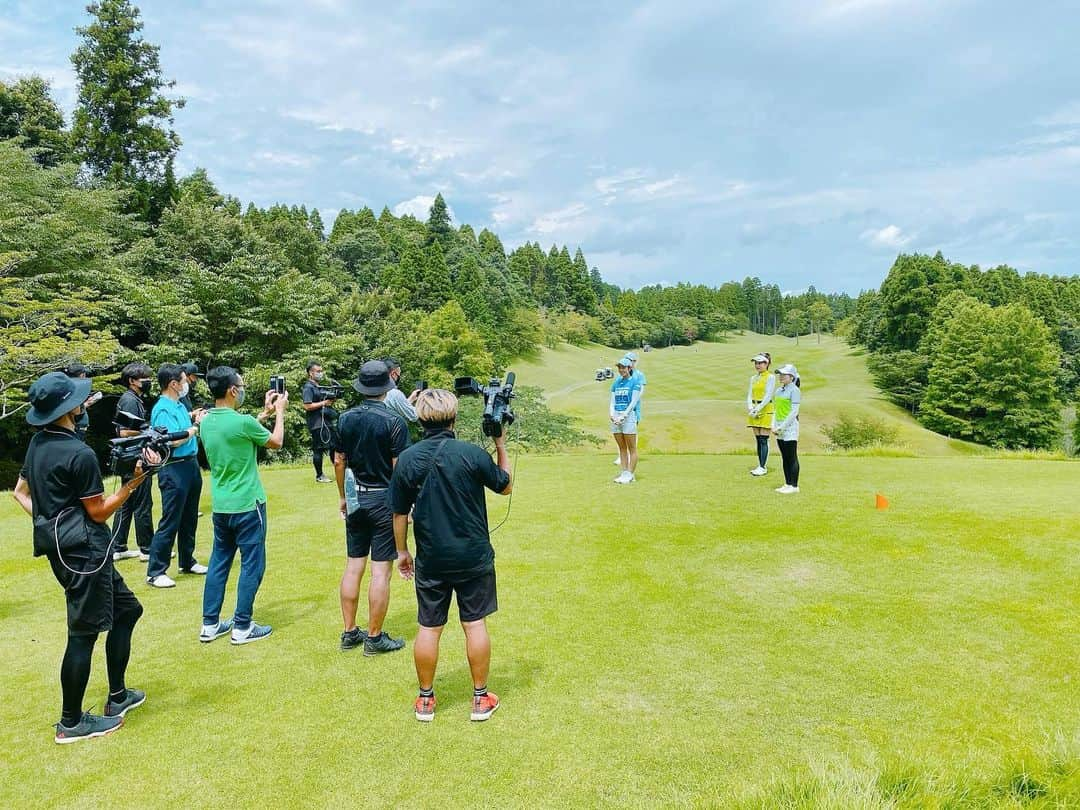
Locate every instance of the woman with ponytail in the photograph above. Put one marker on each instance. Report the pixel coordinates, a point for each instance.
(759, 408)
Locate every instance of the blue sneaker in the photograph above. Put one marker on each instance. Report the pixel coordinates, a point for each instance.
(132, 699)
(253, 632)
(89, 726)
(210, 632)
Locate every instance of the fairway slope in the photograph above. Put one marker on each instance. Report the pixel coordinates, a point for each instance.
(695, 401)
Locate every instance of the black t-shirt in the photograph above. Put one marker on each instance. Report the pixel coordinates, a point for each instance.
(60, 471)
(320, 416)
(450, 520)
(132, 403)
(371, 436)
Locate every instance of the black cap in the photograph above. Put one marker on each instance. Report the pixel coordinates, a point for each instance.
(190, 369)
(76, 369)
(374, 379)
(53, 395)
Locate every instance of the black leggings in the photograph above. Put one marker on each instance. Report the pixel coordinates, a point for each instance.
(75, 668)
(789, 452)
(762, 449)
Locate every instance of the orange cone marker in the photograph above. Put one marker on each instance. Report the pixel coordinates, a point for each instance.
(880, 501)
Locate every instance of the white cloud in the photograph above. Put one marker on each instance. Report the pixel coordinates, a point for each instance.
(888, 237)
(559, 221)
(288, 159)
(419, 207)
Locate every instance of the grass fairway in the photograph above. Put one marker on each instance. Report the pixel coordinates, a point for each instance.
(681, 642)
(695, 401)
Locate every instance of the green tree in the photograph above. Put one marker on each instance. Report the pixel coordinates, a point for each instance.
(28, 112)
(820, 316)
(438, 225)
(122, 127)
(794, 324)
(454, 349)
(434, 288)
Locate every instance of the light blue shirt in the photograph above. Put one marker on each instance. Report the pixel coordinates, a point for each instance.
(635, 374)
(173, 416)
(623, 388)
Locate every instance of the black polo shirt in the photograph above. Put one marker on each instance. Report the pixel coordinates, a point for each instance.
(371, 436)
(450, 520)
(60, 470)
(320, 416)
(132, 403)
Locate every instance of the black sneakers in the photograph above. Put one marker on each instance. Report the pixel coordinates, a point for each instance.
(351, 639)
(90, 725)
(382, 643)
(133, 698)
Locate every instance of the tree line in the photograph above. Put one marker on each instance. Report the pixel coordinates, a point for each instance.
(988, 356)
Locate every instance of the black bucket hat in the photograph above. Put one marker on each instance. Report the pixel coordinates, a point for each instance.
(374, 379)
(55, 394)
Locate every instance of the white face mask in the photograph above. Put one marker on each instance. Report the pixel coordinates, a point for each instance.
(184, 388)
(319, 375)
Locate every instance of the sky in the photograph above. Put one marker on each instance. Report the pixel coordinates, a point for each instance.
(806, 142)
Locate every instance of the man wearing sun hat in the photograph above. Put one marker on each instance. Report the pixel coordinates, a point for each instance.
(60, 487)
(369, 439)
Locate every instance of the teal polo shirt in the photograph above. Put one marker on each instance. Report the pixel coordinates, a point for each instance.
(173, 416)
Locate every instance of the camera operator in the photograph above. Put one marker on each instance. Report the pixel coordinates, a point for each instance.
(395, 399)
(180, 483)
(370, 440)
(321, 419)
(60, 487)
(130, 415)
(231, 440)
(444, 479)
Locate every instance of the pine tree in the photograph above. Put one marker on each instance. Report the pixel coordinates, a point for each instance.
(470, 291)
(582, 294)
(434, 288)
(122, 124)
(315, 223)
(438, 224)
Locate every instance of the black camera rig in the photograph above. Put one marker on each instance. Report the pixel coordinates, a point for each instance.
(497, 396)
(125, 453)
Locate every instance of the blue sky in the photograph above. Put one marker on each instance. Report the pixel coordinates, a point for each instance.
(802, 141)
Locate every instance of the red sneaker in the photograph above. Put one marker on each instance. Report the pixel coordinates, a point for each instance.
(484, 707)
(425, 708)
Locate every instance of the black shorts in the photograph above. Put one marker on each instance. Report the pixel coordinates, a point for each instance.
(94, 601)
(476, 598)
(324, 438)
(370, 529)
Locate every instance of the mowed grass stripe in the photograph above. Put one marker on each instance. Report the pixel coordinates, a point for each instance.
(695, 401)
(691, 639)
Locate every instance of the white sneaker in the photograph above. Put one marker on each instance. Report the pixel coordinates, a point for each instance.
(124, 555)
(759, 471)
(197, 568)
(618, 461)
(782, 490)
(630, 477)
(618, 479)
(161, 581)
(144, 557)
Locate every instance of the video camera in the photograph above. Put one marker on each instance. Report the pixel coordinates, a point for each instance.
(497, 396)
(125, 453)
(334, 390)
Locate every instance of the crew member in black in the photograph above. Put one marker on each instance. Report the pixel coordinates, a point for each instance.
(60, 487)
(191, 375)
(80, 372)
(445, 479)
(130, 414)
(369, 441)
(321, 419)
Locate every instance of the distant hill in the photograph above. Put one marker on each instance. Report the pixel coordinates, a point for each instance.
(696, 395)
